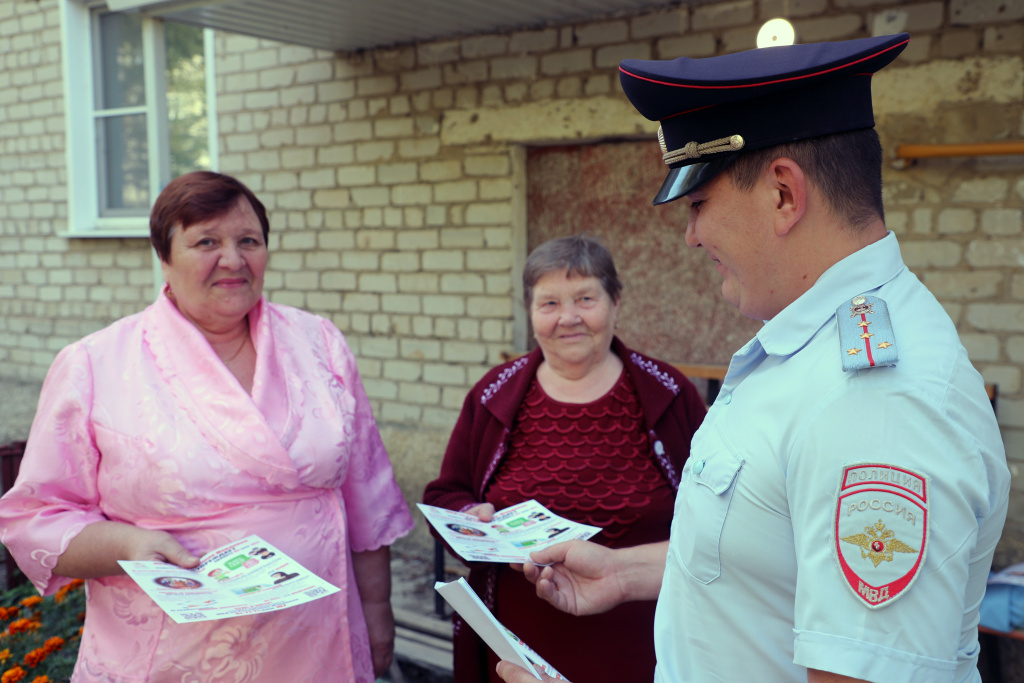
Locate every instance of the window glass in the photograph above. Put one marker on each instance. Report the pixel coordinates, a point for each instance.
(121, 143)
(186, 99)
(121, 58)
(124, 164)
(142, 85)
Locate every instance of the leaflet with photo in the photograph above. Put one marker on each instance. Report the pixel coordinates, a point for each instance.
(510, 536)
(464, 600)
(249, 576)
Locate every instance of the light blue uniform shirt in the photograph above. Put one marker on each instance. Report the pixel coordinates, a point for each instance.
(753, 588)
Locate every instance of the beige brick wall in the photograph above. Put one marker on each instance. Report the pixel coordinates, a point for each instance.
(52, 290)
(395, 193)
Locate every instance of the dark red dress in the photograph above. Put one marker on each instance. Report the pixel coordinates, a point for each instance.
(590, 463)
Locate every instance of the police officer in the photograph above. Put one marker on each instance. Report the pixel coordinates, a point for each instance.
(844, 497)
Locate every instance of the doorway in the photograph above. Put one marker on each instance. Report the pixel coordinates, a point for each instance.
(672, 306)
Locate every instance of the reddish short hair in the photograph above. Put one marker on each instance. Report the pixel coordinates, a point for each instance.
(196, 197)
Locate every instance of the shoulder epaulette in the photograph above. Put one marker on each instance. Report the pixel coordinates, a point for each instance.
(865, 334)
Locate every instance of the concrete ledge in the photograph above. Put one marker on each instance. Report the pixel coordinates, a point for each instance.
(426, 625)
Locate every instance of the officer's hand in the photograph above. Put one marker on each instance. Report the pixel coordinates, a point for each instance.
(580, 577)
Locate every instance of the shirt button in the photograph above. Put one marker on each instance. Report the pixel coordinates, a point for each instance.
(698, 467)
(727, 399)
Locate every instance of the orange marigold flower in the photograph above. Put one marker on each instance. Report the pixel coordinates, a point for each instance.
(8, 612)
(42, 679)
(5, 654)
(18, 626)
(31, 601)
(63, 591)
(35, 657)
(13, 675)
(53, 644)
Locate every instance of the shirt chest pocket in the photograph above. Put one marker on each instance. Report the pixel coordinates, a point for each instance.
(702, 505)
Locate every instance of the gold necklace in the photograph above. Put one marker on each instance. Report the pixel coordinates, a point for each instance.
(245, 340)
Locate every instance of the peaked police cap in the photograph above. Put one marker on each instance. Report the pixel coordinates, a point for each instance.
(711, 110)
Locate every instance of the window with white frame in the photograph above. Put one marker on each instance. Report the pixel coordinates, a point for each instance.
(140, 112)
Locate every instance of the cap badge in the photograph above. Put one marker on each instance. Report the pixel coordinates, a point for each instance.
(694, 150)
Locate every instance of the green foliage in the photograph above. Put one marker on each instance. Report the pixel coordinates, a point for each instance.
(39, 643)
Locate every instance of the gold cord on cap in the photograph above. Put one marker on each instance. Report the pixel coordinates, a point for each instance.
(694, 150)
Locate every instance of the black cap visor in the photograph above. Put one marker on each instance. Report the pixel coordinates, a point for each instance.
(685, 179)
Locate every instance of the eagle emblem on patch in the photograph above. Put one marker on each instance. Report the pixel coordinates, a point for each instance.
(881, 530)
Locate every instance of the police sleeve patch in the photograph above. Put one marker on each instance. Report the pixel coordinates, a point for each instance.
(880, 533)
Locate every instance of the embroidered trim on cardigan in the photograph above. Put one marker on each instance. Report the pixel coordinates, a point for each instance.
(652, 369)
(495, 459)
(492, 587)
(503, 377)
(663, 460)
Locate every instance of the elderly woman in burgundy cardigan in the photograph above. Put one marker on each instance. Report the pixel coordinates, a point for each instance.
(594, 431)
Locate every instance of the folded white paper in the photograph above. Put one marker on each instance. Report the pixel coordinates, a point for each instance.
(505, 644)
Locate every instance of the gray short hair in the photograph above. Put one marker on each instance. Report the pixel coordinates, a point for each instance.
(580, 256)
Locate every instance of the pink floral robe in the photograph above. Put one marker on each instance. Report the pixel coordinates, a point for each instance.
(141, 423)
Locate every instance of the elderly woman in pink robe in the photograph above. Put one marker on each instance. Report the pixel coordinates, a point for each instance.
(211, 415)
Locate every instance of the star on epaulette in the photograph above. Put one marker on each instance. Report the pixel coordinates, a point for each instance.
(884, 345)
(863, 323)
(852, 352)
(867, 335)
